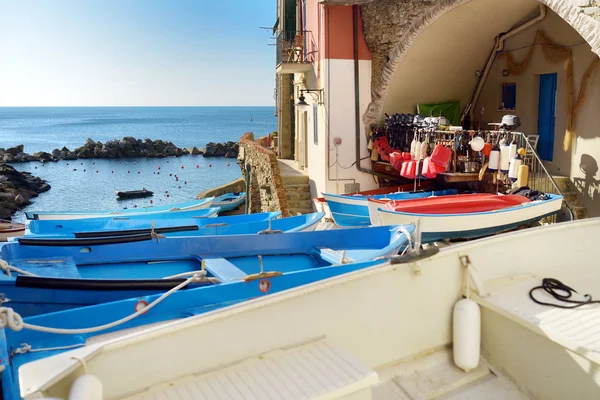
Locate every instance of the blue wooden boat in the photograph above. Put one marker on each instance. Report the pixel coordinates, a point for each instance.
(176, 207)
(49, 275)
(310, 264)
(353, 209)
(228, 225)
(229, 201)
(199, 218)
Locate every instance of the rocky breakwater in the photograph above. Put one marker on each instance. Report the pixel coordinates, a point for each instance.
(228, 150)
(17, 189)
(128, 147)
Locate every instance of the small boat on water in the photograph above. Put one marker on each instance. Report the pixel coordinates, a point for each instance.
(461, 324)
(464, 216)
(10, 229)
(46, 275)
(229, 201)
(168, 208)
(133, 194)
(199, 218)
(353, 209)
(219, 226)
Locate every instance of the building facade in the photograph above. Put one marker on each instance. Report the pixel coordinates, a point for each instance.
(366, 58)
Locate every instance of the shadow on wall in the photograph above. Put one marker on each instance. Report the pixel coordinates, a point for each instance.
(588, 186)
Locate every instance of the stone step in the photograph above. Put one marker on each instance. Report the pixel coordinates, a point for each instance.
(295, 211)
(570, 197)
(294, 179)
(580, 212)
(297, 188)
(303, 195)
(300, 204)
(564, 183)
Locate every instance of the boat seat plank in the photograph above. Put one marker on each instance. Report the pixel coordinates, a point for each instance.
(575, 329)
(223, 269)
(330, 256)
(63, 267)
(312, 370)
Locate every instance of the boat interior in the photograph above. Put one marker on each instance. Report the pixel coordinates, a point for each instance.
(382, 333)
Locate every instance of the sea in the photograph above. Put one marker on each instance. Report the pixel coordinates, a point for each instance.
(90, 184)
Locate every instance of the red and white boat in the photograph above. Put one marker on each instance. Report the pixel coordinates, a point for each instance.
(463, 216)
(10, 229)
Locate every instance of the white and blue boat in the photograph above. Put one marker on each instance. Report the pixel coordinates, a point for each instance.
(353, 209)
(168, 208)
(50, 275)
(229, 201)
(249, 266)
(226, 225)
(198, 218)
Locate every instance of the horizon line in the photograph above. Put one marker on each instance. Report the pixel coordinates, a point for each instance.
(83, 106)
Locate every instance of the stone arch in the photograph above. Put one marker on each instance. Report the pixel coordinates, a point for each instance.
(426, 13)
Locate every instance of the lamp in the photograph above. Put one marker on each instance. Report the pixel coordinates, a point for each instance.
(302, 104)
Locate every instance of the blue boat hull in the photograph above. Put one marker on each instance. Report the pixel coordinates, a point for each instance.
(354, 210)
(200, 218)
(229, 225)
(75, 274)
(181, 304)
(176, 207)
(229, 201)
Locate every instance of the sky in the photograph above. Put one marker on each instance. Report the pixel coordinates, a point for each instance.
(136, 52)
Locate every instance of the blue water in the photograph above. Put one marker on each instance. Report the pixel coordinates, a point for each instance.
(47, 128)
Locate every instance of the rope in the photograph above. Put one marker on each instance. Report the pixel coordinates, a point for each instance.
(9, 318)
(26, 348)
(6, 268)
(155, 235)
(560, 292)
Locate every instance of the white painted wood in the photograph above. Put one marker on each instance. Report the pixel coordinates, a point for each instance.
(378, 316)
(316, 370)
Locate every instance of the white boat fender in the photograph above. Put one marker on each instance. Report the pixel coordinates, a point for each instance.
(86, 387)
(466, 332)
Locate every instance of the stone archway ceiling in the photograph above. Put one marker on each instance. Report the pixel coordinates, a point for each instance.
(391, 26)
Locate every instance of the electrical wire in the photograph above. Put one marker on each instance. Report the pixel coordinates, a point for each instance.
(560, 292)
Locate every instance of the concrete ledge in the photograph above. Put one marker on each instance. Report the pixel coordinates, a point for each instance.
(239, 185)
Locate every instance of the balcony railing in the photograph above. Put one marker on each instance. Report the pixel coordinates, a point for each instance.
(291, 52)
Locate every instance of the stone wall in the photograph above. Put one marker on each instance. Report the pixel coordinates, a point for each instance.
(266, 188)
(239, 185)
(391, 26)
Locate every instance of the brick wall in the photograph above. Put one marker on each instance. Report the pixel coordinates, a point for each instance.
(266, 188)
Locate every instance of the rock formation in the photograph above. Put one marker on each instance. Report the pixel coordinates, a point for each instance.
(17, 189)
(128, 147)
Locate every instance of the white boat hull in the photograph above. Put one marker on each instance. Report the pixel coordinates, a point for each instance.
(469, 225)
(387, 318)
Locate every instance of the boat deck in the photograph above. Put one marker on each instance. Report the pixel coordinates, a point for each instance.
(306, 371)
(434, 376)
(575, 329)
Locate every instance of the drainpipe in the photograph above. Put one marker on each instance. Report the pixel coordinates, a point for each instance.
(499, 46)
(355, 15)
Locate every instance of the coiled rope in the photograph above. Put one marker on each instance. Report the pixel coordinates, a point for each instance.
(560, 292)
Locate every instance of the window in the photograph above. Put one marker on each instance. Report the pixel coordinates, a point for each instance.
(509, 96)
(315, 124)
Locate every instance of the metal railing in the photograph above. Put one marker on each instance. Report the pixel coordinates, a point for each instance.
(291, 47)
(540, 179)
